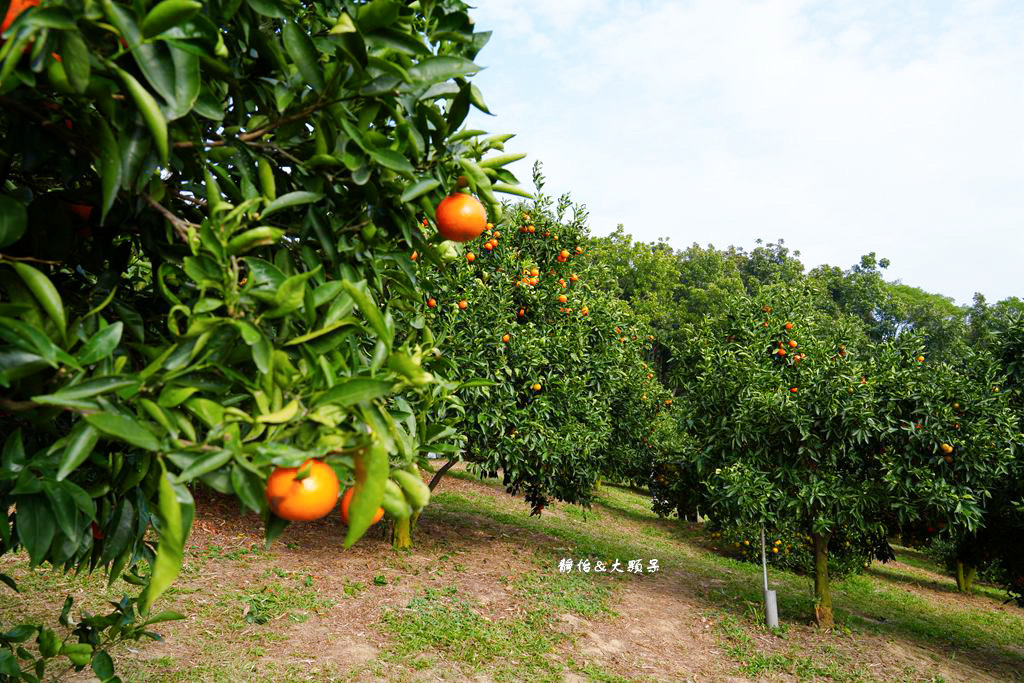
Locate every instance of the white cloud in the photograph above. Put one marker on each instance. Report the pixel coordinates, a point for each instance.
(844, 127)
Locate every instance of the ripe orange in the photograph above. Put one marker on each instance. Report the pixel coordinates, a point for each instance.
(948, 459)
(574, 277)
(497, 233)
(562, 298)
(415, 255)
(946, 448)
(563, 256)
(471, 257)
(531, 229)
(506, 338)
(920, 359)
(585, 311)
(794, 390)
(792, 343)
(522, 312)
(650, 375)
(489, 246)
(782, 352)
(535, 272)
(301, 500)
(789, 326)
(490, 226)
(463, 304)
(461, 217)
(579, 250)
(346, 500)
(14, 9)
(668, 401)
(536, 387)
(431, 303)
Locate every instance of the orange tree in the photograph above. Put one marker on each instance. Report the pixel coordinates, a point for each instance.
(205, 216)
(991, 551)
(798, 422)
(538, 354)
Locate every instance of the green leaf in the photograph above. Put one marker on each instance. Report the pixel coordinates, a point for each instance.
(302, 51)
(167, 14)
(389, 158)
(205, 463)
(150, 110)
(248, 488)
(102, 664)
(35, 525)
(354, 390)
(44, 292)
(101, 344)
(512, 189)
(9, 664)
(210, 412)
(317, 333)
(419, 188)
(125, 429)
(13, 220)
(171, 396)
(162, 617)
(285, 201)
(80, 443)
(443, 68)
(368, 307)
(87, 389)
(290, 295)
(371, 472)
(170, 552)
(75, 54)
(109, 167)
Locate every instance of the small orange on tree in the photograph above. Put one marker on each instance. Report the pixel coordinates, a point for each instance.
(301, 494)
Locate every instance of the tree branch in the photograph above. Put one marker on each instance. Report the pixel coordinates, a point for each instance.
(181, 225)
(440, 473)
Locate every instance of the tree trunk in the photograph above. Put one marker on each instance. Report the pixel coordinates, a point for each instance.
(822, 590)
(965, 573)
(401, 536)
(436, 479)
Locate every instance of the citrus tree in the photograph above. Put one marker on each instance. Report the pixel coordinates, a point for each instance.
(206, 211)
(538, 352)
(801, 423)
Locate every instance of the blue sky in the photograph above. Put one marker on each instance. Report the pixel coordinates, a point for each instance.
(843, 127)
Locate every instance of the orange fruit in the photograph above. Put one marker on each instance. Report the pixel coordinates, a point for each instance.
(463, 304)
(415, 255)
(489, 246)
(650, 375)
(301, 500)
(431, 303)
(535, 272)
(789, 326)
(497, 233)
(948, 459)
(782, 352)
(574, 277)
(346, 500)
(794, 390)
(14, 9)
(471, 257)
(562, 298)
(506, 338)
(585, 311)
(522, 312)
(792, 343)
(920, 359)
(536, 387)
(946, 448)
(530, 228)
(461, 217)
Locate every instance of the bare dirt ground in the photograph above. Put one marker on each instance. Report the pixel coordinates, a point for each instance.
(304, 609)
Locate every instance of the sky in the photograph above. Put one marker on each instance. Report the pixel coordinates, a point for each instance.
(842, 126)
